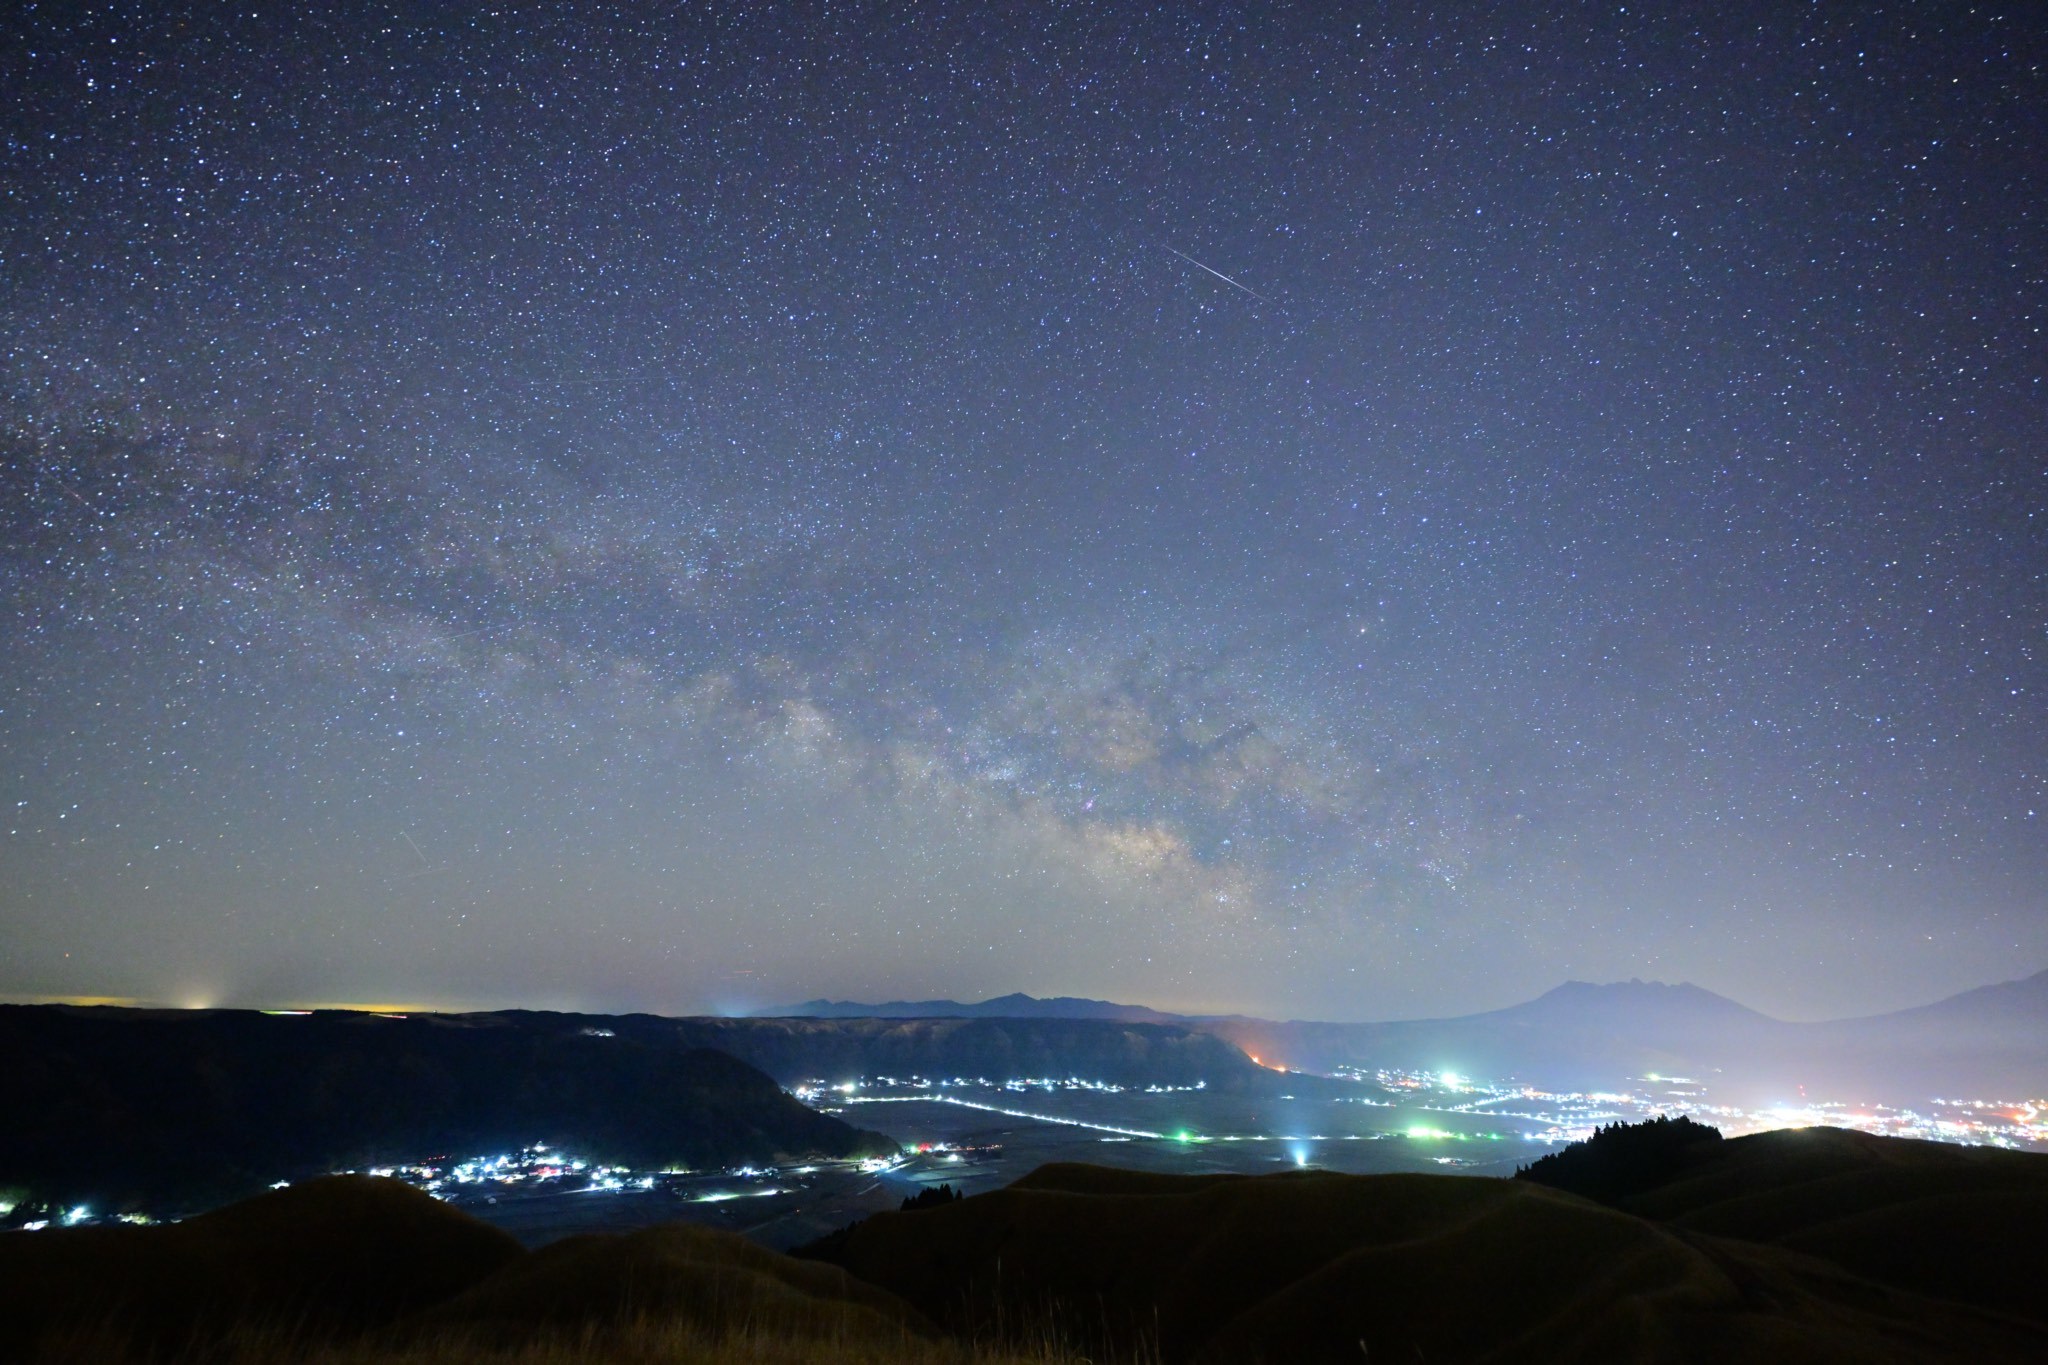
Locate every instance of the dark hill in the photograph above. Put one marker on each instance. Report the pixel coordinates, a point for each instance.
(1958, 1222)
(337, 1256)
(708, 1280)
(353, 1270)
(1324, 1267)
(110, 1107)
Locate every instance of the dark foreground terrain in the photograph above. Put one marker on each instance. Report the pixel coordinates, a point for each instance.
(1813, 1245)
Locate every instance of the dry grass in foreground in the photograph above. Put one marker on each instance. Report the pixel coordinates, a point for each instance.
(645, 1342)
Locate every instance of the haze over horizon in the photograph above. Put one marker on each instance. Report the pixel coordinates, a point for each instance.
(773, 1008)
(1235, 509)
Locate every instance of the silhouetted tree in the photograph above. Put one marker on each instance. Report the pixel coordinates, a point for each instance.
(832, 1246)
(1625, 1159)
(931, 1197)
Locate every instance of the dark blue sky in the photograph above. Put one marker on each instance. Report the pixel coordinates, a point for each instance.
(1337, 511)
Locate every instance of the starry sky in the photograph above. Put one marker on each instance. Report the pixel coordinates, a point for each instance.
(1339, 511)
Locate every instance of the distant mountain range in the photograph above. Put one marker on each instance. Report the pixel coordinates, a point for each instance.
(1122, 1052)
(1014, 1006)
(1991, 1042)
(116, 1104)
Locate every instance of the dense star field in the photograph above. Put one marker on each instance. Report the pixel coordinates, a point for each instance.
(1319, 510)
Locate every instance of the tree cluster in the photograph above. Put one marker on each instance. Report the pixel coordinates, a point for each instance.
(1626, 1159)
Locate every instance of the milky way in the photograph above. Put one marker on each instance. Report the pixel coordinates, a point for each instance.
(1319, 511)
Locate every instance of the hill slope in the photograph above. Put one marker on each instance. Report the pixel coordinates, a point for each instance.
(337, 1256)
(1956, 1222)
(348, 1270)
(1323, 1267)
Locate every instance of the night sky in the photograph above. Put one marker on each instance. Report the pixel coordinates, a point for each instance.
(1335, 511)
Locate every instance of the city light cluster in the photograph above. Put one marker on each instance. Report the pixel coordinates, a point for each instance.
(537, 1164)
(1570, 1116)
(1542, 1117)
(810, 1091)
(1061, 1119)
(540, 1170)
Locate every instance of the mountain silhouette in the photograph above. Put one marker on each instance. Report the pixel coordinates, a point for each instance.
(1988, 1042)
(993, 1048)
(188, 1108)
(1013, 1006)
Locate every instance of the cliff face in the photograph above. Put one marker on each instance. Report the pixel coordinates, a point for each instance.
(995, 1049)
(110, 1106)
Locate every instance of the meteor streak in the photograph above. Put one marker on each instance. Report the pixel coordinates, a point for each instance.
(1221, 276)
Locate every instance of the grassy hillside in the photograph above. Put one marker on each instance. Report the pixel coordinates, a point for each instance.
(350, 1270)
(333, 1257)
(1315, 1266)
(1958, 1222)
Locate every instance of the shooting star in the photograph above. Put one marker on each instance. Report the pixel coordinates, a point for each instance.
(1221, 276)
(426, 868)
(594, 380)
